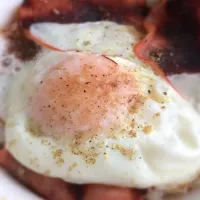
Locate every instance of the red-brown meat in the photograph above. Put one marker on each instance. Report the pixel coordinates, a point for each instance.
(173, 39)
(56, 189)
(50, 188)
(103, 192)
(68, 11)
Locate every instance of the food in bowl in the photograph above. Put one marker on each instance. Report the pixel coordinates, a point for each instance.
(86, 111)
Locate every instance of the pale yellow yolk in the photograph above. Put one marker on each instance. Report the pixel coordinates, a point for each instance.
(84, 93)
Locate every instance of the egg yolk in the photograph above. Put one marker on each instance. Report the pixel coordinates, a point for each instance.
(83, 93)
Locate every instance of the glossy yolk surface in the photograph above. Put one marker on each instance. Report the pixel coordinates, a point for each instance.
(84, 93)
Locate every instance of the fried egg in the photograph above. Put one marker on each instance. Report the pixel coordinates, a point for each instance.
(89, 118)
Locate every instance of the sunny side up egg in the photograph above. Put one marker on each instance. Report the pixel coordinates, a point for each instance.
(100, 37)
(88, 118)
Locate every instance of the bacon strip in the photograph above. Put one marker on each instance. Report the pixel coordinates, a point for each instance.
(102, 192)
(50, 188)
(55, 189)
(173, 39)
(128, 4)
(69, 11)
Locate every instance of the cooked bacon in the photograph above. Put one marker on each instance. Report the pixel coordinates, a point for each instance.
(50, 188)
(55, 189)
(102, 192)
(129, 11)
(173, 39)
(63, 11)
(118, 3)
(69, 11)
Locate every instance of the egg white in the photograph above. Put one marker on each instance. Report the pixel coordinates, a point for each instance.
(104, 37)
(159, 156)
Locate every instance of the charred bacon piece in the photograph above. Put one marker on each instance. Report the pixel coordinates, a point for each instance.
(70, 11)
(99, 192)
(173, 39)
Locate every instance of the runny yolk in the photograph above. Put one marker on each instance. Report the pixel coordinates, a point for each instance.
(84, 93)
